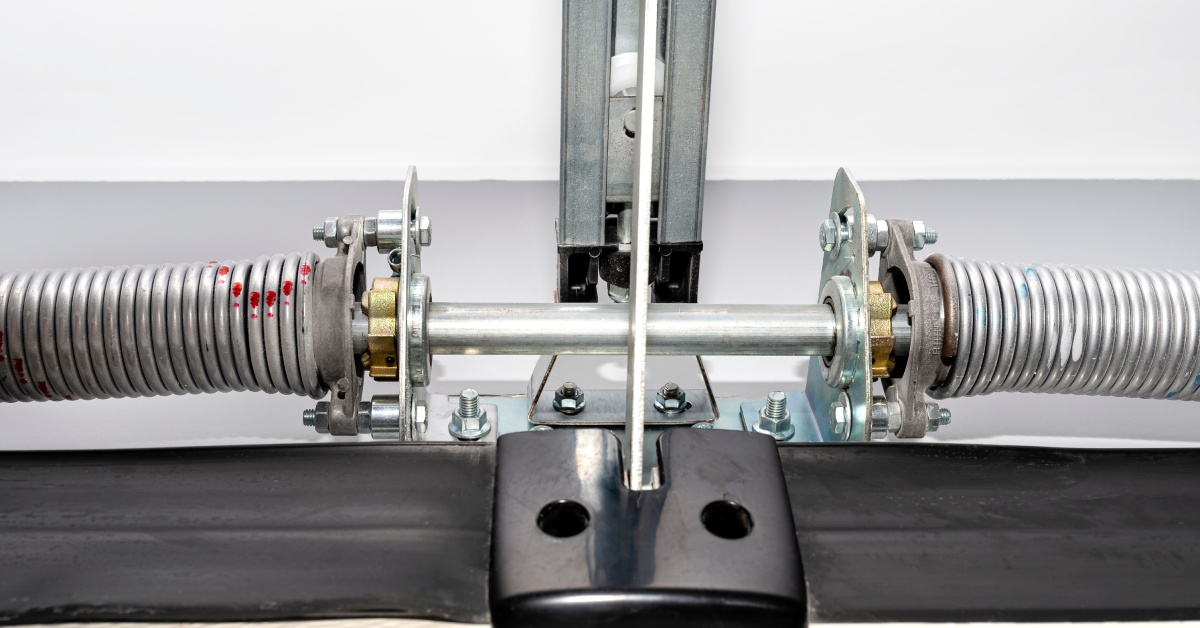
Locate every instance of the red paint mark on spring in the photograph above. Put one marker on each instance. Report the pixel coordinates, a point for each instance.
(305, 271)
(287, 288)
(255, 299)
(19, 367)
(271, 298)
(237, 288)
(68, 398)
(222, 271)
(45, 390)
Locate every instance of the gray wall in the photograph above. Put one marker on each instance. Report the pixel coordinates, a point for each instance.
(495, 242)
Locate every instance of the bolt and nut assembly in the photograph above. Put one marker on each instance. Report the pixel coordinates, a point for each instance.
(569, 399)
(774, 419)
(671, 399)
(469, 421)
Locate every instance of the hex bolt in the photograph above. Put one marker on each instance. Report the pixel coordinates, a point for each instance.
(923, 235)
(830, 235)
(839, 419)
(569, 399)
(421, 416)
(774, 419)
(469, 421)
(671, 399)
(423, 231)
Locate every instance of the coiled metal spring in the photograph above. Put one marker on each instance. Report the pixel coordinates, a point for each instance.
(143, 331)
(1072, 329)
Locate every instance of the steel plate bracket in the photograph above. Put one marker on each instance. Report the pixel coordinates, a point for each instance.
(846, 269)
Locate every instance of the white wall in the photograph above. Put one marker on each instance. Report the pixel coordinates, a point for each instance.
(291, 90)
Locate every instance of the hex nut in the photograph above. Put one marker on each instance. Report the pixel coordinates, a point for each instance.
(671, 399)
(470, 428)
(569, 399)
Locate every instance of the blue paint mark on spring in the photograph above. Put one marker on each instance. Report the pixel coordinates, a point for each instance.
(1196, 382)
(1024, 291)
(1171, 394)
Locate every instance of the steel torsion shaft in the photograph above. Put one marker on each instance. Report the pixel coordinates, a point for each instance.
(142, 331)
(1072, 329)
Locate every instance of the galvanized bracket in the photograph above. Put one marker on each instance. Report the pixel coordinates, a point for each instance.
(845, 280)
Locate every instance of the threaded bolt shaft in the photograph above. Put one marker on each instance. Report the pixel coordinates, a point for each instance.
(944, 416)
(468, 404)
(310, 418)
(319, 232)
(776, 406)
(931, 235)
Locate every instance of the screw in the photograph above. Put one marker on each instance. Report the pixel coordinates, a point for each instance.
(923, 235)
(774, 419)
(319, 232)
(569, 399)
(469, 422)
(944, 416)
(671, 399)
(310, 418)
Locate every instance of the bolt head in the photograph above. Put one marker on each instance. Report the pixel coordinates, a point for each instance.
(839, 419)
(421, 416)
(828, 235)
(423, 230)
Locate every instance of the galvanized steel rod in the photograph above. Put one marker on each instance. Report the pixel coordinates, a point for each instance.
(591, 329)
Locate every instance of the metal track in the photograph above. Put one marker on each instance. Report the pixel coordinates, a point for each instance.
(146, 331)
(1072, 329)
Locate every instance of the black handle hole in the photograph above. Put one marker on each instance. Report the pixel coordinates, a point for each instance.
(726, 519)
(563, 519)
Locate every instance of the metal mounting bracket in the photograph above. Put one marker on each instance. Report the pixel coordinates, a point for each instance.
(845, 279)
